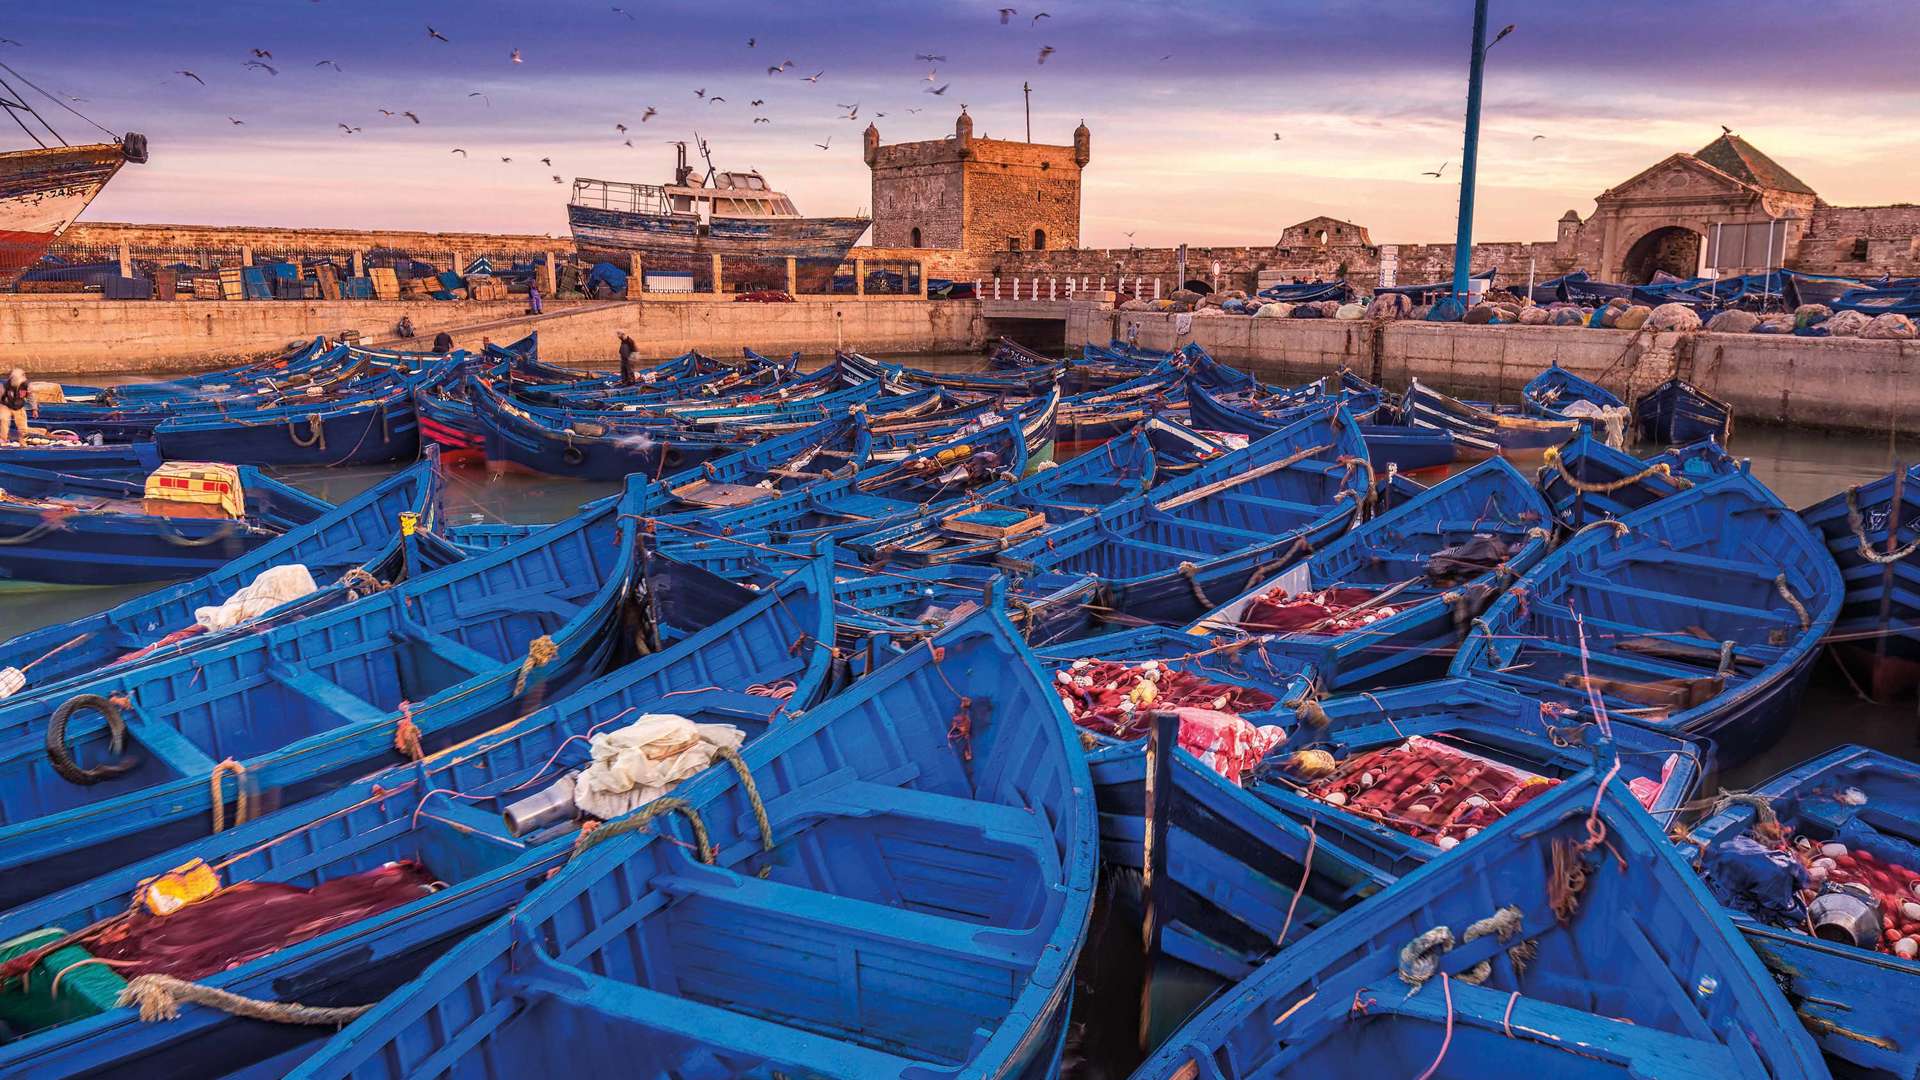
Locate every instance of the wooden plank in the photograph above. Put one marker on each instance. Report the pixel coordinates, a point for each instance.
(386, 283)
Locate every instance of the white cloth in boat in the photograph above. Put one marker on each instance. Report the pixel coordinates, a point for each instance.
(274, 586)
(636, 764)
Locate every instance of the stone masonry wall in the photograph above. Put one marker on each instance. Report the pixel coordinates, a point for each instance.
(1832, 245)
(439, 248)
(1014, 188)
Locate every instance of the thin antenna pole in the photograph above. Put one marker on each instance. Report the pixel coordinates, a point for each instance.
(1026, 89)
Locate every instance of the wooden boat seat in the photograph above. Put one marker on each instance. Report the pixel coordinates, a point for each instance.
(1611, 588)
(1267, 502)
(326, 695)
(1691, 560)
(472, 661)
(708, 1025)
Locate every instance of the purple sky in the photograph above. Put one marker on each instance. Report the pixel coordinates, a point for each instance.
(1365, 96)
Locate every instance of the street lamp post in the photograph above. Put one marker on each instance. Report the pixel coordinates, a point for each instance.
(1469, 159)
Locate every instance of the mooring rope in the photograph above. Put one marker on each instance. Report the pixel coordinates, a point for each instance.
(540, 652)
(159, 998)
(316, 432)
(732, 757)
(1800, 609)
(1854, 522)
(240, 804)
(666, 804)
(1591, 487)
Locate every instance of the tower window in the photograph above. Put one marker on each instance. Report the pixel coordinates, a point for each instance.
(914, 237)
(1039, 239)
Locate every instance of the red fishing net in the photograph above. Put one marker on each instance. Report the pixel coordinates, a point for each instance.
(250, 919)
(1328, 611)
(1118, 699)
(1428, 790)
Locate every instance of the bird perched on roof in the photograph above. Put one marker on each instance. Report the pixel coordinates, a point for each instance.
(435, 34)
(1725, 130)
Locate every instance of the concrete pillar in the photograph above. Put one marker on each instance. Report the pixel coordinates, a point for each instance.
(1156, 288)
(359, 263)
(923, 278)
(453, 262)
(996, 288)
(126, 261)
(246, 256)
(553, 275)
(1053, 288)
(793, 275)
(1016, 290)
(1070, 284)
(719, 283)
(1034, 294)
(636, 277)
(859, 277)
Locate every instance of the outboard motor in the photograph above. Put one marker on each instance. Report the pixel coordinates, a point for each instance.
(1848, 914)
(134, 148)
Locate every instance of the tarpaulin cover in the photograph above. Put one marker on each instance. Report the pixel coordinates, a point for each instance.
(612, 276)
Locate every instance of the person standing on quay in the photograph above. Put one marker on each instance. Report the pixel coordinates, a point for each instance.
(16, 397)
(627, 349)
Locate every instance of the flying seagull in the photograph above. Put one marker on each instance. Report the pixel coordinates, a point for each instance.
(621, 128)
(911, 111)
(548, 162)
(1005, 14)
(1045, 51)
(1276, 136)
(649, 114)
(623, 11)
(459, 151)
(435, 34)
(482, 97)
(761, 120)
(756, 102)
(751, 42)
(9, 41)
(387, 112)
(557, 180)
(231, 120)
(931, 58)
(1436, 173)
(262, 54)
(507, 160)
(514, 57)
(1537, 138)
(774, 70)
(823, 145)
(813, 78)
(335, 65)
(937, 90)
(409, 115)
(268, 68)
(700, 93)
(715, 98)
(1725, 130)
(1042, 15)
(192, 76)
(347, 128)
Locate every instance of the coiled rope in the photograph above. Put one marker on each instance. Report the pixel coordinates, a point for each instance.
(359, 583)
(1420, 958)
(1192, 574)
(1854, 522)
(159, 998)
(540, 652)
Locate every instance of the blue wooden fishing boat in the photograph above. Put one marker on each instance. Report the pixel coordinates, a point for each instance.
(121, 768)
(475, 821)
(1077, 374)
(1482, 430)
(1015, 383)
(913, 904)
(1567, 939)
(1587, 480)
(1234, 520)
(1873, 532)
(370, 428)
(81, 530)
(1390, 599)
(1677, 412)
(1849, 982)
(521, 440)
(1090, 418)
(1699, 615)
(1408, 773)
(972, 465)
(839, 447)
(1120, 469)
(1401, 446)
(1559, 394)
(118, 460)
(361, 533)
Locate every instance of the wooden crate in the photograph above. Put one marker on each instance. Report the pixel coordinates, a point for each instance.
(232, 285)
(386, 283)
(994, 522)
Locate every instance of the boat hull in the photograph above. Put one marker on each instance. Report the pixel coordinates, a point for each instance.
(41, 192)
(680, 243)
